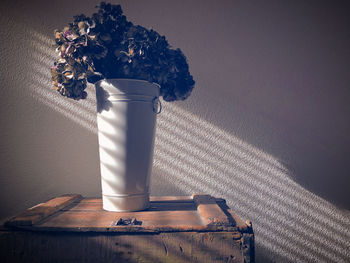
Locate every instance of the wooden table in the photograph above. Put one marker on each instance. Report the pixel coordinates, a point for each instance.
(70, 228)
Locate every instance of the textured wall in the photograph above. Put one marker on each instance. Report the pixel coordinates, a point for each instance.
(267, 126)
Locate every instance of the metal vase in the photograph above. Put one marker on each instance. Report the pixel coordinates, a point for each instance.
(126, 118)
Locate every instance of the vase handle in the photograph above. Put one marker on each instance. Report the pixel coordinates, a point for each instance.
(157, 105)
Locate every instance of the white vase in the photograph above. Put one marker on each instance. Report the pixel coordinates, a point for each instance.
(126, 118)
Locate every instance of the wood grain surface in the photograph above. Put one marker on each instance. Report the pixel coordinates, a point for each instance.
(70, 228)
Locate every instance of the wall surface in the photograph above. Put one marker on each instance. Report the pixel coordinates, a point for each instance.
(266, 127)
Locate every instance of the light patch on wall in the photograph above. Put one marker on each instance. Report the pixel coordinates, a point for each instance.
(196, 156)
(199, 157)
(82, 112)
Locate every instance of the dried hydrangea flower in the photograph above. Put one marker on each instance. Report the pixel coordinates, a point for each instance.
(106, 45)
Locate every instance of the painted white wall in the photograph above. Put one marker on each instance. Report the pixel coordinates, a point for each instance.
(267, 126)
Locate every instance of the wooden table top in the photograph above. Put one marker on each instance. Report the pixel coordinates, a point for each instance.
(166, 214)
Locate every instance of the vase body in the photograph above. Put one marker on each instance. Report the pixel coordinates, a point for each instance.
(126, 118)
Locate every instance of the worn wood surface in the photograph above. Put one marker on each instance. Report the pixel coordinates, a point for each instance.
(70, 228)
(184, 247)
(210, 212)
(36, 213)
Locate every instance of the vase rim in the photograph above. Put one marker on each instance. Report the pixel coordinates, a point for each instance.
(127, 79)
